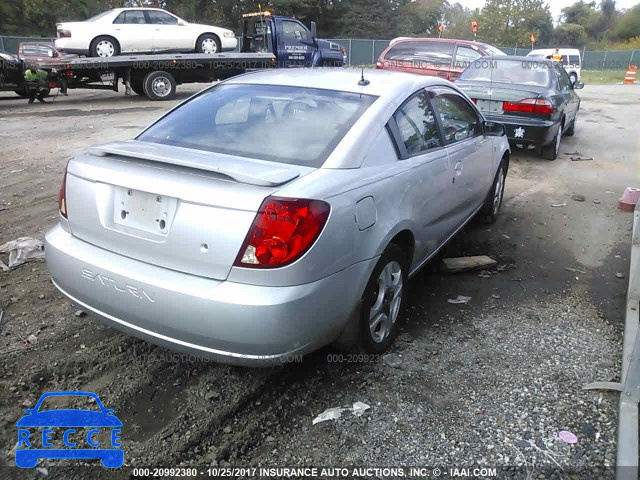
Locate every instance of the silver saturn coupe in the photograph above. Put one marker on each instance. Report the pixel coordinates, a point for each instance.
(276, 212)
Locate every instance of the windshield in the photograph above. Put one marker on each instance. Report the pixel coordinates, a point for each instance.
(522, 72)
(294, 125)
(100, 15)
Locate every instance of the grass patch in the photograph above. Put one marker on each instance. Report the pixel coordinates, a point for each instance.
(602, 77)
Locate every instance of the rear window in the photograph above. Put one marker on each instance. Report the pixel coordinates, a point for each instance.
(294, 125)
(432, 53)
(522, 72)
(491, 50)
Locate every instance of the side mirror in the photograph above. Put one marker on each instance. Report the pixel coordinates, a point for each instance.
(493, 129)
(314, 30)
(578, 85)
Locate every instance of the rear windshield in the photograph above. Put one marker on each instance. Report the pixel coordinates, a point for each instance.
(436, 54)
(522, 72)
(491, 50)
(294, 125)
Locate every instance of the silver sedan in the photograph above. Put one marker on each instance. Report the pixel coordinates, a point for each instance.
(276, 212)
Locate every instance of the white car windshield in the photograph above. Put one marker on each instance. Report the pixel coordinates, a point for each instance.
(293, 125)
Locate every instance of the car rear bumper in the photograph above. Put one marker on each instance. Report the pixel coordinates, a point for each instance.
(220, 320)
(71, 45)
(527, 131)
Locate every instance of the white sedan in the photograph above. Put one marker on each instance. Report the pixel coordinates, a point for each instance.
(137, 30)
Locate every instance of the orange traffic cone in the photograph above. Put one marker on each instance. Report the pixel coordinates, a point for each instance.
(630, 77)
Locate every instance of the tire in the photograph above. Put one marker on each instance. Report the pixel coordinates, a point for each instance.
(491, 208)
(550, 152)
(208, 43)
(572, 128)
(380, 310)
(104, 47)
(159, 85)
(137, 87)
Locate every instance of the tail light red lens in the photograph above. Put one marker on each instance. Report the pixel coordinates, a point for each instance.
(64, 34)
(529, 105)
(284, 229)
(62, 196)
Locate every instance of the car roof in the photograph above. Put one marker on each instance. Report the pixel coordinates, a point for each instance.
(516, 57)
(382, 82)
(437, 40)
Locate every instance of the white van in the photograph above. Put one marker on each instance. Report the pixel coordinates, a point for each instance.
(571, 59)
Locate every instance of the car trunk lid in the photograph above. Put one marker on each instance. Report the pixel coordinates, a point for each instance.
(490, 96)
(173, 207)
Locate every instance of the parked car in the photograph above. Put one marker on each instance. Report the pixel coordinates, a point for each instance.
(571, 60)
(273, 214)
(533, 98)
(439, 57)
(130, 30)
(42, 53)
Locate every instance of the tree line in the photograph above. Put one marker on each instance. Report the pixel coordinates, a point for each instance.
(512, 23)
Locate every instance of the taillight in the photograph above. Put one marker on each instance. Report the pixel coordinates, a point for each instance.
(64, 34)
(529, 105)
(284, 229)
(62, 196)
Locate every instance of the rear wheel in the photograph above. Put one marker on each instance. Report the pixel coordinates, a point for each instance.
(104, 47)
(383, 300)
(159, 85)
(550, 152)
(572, 128)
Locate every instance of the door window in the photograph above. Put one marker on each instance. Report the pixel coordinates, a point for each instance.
(293, 31)
(459, 120)
(564, 83)
(464, 56)
(417, 127)
(161, 18)
(131, 17)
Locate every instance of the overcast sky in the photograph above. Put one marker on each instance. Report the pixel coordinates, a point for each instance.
(556, 6)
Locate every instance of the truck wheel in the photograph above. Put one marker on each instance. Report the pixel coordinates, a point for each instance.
(104, 47)
(208, 44)
(159, 85)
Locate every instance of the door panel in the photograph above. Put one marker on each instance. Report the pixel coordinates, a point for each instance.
(295, 45)
(168, 34)
(133, 32)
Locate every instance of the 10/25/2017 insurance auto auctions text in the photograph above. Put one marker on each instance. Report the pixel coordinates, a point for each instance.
(319, 472)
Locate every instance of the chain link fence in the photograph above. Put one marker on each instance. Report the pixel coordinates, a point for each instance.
(366, 52)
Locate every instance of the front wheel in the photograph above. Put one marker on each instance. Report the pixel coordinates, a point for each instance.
(208, 44)
(491, 208)
(383, 300)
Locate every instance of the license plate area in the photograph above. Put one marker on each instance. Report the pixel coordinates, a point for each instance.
(490, 106)
(147, 212)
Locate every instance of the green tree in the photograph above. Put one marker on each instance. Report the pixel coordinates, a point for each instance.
(570, 35)
(629, 24)
(509, 23)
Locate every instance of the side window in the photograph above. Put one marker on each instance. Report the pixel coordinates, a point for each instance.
(294, 31)
(30, 50)
(45, 51)
(434, 53)
(574, 60)
(401, 52)
(459, 119)
(464, 56)
(564, 83)
(161, 18)
(417, 126)
(131, 17)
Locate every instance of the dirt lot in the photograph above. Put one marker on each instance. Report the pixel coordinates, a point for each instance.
(489, 383)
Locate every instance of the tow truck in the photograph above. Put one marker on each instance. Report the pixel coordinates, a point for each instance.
(267, 41)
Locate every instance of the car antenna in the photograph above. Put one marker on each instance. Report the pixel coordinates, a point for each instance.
(363, 81)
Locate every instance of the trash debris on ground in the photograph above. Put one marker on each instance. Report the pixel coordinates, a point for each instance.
(80, 313)
(596, 202)
(3, 266)
(567, 437)
(392, 360)
(620, 275)
(32, 339)
(575, 270)
(496, 296)
(629, 199)
(580, 159)
(577, 197)
(464, 264)
(559, 204)
(459, 299)
(23, 249)
(335, 413)
(17, 171)
(43, 471)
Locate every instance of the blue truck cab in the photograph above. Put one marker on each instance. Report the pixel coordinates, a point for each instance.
(292, 43)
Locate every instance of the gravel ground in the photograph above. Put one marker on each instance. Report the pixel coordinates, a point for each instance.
(489, 383)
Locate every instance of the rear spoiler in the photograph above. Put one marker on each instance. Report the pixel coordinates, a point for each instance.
(249, 171)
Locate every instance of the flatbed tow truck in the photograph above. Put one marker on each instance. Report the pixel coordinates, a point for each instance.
(267, 42)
